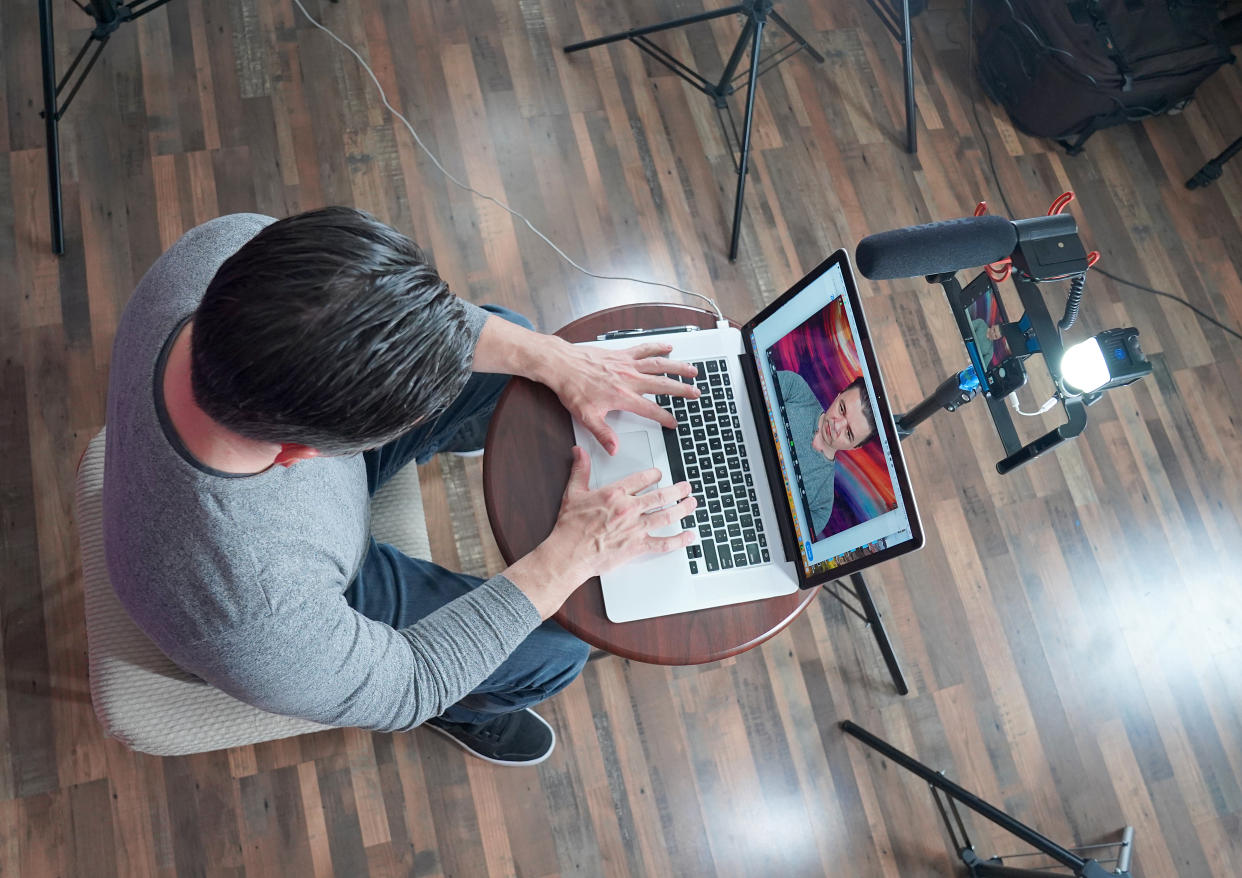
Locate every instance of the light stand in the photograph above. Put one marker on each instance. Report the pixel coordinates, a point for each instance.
(870, 614)
(109, 15)
(895, 15)
(944, 789)
(1211, 172)
(757, 13)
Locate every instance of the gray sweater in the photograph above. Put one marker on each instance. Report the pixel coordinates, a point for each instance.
(802, 410)
(240, 580)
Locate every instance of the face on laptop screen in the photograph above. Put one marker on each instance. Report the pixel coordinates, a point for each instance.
(836, 464)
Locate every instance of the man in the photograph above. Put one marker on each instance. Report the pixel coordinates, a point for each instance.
(847, 423)
(267, 377)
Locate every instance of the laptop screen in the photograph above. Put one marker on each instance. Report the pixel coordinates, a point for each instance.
(835, 443)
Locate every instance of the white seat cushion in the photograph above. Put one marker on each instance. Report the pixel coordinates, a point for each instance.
(140, 696)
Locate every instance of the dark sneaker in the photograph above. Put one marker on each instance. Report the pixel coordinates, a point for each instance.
(518, 738)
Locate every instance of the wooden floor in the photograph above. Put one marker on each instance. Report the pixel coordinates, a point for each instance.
(1070, 632)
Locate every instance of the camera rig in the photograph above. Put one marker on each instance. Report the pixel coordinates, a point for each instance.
(1048, 249)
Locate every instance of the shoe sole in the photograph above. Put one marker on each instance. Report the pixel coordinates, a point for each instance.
(510, 763)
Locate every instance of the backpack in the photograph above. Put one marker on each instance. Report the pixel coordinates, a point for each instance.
(1064, 69)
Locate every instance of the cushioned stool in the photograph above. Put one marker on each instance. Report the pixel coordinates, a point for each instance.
(142, 698)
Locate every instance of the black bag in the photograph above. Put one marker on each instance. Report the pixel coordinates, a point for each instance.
(1067, 68)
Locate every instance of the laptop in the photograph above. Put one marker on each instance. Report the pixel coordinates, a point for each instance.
(791, 451)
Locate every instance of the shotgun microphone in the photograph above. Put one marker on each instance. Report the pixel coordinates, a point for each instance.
(936, 248)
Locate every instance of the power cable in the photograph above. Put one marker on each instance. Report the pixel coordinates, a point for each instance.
(435, 161)
(1208, 317)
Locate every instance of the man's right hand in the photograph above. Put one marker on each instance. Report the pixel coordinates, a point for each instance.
(599, 530)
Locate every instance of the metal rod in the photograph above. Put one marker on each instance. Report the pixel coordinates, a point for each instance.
(795, 36)
(1127, 848)
(907, 60)
(957, 815)
(655, 28)
(984, 869)
(967, 798)
(1077, 848)
(51, 117)
(756, 13)
(99, 47)
(876, 624)
(136, 11)
(843, 601)
(960, 840)
(744, 158)
(730, 132)
(775, 59)
(659, 54)
(887, 17)
(60, 86)
(725, 86)
(1214, 168)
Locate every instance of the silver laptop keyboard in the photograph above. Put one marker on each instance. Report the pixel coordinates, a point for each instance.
(707, 450)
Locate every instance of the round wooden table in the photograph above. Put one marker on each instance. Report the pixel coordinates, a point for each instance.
(525, 469)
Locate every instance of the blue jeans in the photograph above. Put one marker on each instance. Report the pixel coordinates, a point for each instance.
(393, 588)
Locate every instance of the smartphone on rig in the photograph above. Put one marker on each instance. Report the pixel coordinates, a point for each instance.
(988, 334)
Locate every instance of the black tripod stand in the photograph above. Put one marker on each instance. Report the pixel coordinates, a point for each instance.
(870, 614)
(1211, 172)
(109, 15)
(956, 391)
(944, 789)
(757, 13)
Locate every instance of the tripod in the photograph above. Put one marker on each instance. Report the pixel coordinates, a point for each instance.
(944, 789)
(957, 390)
(109, 15)
(1211, 172)
(757, 13)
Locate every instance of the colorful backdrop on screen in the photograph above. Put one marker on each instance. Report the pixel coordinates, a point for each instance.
(823, 352)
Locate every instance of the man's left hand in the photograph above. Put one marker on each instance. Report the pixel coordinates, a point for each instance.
(591, 382)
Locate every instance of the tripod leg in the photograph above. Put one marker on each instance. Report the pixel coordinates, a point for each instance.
(1213, 169)
(744, 159)
(881, 636)
(52, 127)
(655, 28)
(796, 37)
(907, 60)
(1043, 844)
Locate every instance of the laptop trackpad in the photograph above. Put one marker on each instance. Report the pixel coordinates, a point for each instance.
(633, 455)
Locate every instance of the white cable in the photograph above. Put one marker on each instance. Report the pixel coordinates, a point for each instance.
(1013, 399)
(435, 161)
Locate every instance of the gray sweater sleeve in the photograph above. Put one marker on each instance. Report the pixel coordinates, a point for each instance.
(322, 660)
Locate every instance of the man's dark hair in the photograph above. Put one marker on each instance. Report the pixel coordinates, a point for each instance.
(328, 329)
(865, 400)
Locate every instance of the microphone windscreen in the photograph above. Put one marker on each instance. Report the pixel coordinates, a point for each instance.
(933, 248)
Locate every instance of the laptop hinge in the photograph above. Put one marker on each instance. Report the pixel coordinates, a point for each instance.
(759, 409)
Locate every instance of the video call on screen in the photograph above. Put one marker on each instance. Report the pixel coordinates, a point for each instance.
(843, 498)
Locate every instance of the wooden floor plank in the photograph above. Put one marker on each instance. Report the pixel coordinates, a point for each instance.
(1069, 632)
